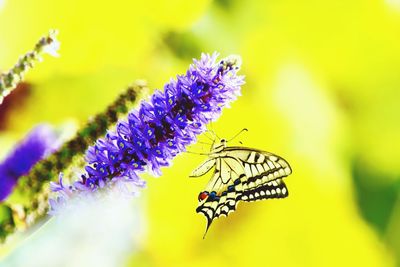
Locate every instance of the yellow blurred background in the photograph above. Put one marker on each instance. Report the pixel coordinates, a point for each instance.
(322, 90)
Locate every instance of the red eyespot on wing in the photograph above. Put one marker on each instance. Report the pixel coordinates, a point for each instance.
(203, 195)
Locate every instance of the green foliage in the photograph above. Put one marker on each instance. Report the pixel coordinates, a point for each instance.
(376, 195)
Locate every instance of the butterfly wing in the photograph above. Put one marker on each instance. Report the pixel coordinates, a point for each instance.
(243, 174)
(274, 189)
(204, 168)
(221, 196)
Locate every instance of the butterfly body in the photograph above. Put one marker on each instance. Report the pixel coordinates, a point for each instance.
(240, 174)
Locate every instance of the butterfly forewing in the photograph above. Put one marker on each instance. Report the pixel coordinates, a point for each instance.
(242, 174)
(204, 168)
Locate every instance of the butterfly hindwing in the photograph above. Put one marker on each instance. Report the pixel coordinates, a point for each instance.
(273, 189)
(216, 206)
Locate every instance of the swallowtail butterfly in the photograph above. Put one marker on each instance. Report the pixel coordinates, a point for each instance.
(240, 174)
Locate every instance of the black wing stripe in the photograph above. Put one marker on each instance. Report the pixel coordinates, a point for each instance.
(265, 191)
(260, 176)
(224, 207)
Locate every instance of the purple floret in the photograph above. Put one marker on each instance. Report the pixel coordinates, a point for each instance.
(164, 125)
(37, 144)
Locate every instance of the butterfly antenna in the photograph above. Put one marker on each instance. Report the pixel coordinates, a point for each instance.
(204, 143)
(212, 131)
(215, 135)
(236, 135)
(209, 138)
(197, 153)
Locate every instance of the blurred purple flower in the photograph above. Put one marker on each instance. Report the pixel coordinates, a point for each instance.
(161, 128)
(41, 141)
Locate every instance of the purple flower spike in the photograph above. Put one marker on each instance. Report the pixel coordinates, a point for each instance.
(163, 126)
(37, 144)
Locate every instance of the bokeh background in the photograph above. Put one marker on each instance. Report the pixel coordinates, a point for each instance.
(322, 90)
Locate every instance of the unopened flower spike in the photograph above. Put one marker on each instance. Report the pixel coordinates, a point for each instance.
(10, 79)
(95, 128)
(161, 128)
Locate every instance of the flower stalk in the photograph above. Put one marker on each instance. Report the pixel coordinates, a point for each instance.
(10, 79)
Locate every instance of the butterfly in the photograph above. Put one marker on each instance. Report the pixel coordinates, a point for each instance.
(240, 174)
